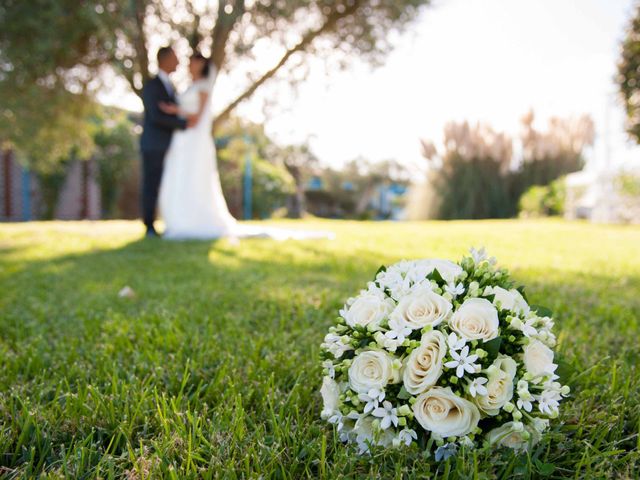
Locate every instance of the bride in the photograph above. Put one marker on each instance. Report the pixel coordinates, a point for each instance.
(191, 199)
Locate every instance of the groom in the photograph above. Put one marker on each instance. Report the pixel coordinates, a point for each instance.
(157, 130)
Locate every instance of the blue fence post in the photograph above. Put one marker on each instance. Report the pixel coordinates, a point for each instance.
(26, 195)
(248, 183)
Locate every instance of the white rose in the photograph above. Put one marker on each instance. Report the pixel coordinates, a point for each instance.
(422, 307)
(476, 319)
(509, 299)
(367, 310)
(538, 359)
(499, 386)
(330, 397)
(442, 412)
(513, 435)
(423, 366)
(372, 369)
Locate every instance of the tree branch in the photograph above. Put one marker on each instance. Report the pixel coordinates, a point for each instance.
(329, 24)
(223, 27)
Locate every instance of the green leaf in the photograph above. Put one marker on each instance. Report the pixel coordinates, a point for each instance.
(436, 277)
(381, 269)
(403, 395)
(544, 469)
(541, 311)
(491, 297)
(492, 347)
(522, 292)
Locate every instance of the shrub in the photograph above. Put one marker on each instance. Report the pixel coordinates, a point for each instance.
(544, 201)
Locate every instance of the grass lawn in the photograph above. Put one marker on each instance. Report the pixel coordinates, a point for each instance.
(212, 369)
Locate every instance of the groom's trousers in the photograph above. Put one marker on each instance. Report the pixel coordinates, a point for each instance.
(152, 166)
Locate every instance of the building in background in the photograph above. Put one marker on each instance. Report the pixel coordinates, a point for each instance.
(22, 194)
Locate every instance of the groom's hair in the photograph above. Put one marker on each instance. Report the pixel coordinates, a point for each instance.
(163, 52)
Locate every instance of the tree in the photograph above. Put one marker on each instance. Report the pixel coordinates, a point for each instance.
(120, 33)
(628, 77)
(298, 160)
(49, 53)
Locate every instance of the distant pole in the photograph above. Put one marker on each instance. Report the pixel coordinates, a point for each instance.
(26, 195)
(248, 184)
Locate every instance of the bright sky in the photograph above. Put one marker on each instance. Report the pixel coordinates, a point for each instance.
(488, 60)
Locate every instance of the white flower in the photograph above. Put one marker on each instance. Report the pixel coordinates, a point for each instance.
(499, 387)
(442, 412)
(524, 397)
(336, 345)
(538, 359)
(365, 435)
(398, 330)
(388, 413)
(331, 369)
(330, 396)
(476, 319)
(454, 342)
(367, 310)
(420, 308)
(454, 290)
(406, 436)
(371, 399)
(447, 270)
(540, 424)
(462, 362)
(548, 402)
(513, 435)
(481, 255)
(372, 369)
(508, 299)
(337, 419)
(477, 387)
(423, 366)
(528, 328)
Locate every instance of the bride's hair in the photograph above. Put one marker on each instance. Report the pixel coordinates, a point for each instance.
(205, 68)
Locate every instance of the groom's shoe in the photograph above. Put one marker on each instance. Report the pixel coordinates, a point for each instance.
(151, 233)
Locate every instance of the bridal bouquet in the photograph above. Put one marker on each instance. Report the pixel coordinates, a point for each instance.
(442, 354)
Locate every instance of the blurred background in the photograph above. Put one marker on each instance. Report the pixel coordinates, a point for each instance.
(359, 109)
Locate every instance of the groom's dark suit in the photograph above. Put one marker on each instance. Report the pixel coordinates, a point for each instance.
(157, 130)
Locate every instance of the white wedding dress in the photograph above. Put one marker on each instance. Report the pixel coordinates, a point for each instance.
(191, 201)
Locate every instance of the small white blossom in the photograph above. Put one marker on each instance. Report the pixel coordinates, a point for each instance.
(454, 342)
(477, 387)
(527, 327)
(481, 255)
(454, 290)
(331, 369)
(337, 419)
(388, 414)
(371, 399)
(398, 330)
(407, 436)
(548, 402)
(462, 362)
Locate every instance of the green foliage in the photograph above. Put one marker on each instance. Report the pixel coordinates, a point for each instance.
(49, 54)
(473, 188)
(544, 201)
(628, 77)
(272, 186)
(116, 155)
(211, 370)
(629, 184)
